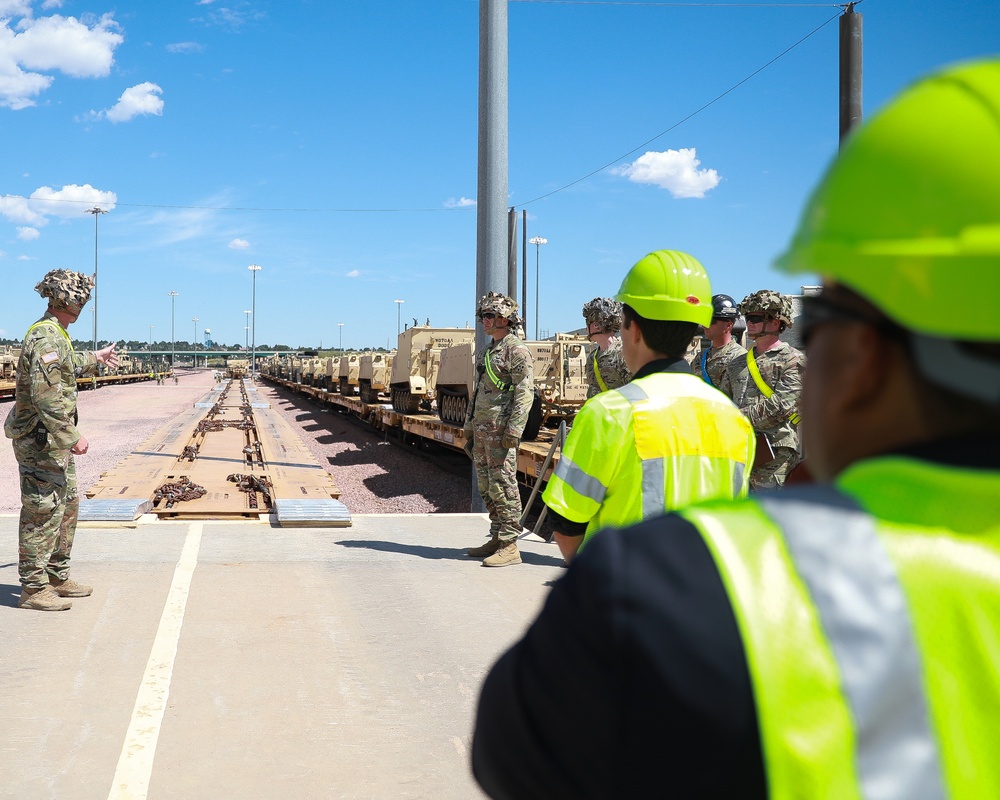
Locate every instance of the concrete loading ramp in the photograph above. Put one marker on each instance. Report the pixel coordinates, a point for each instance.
(227, 457)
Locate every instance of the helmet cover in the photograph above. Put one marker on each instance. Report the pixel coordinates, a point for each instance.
(499, 304)
(605, 312)
(65, 288)
(769, 302)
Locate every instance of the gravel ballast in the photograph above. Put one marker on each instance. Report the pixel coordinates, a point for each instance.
(374, 476)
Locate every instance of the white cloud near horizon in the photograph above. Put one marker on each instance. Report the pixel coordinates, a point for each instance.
(462, 202)
(354, 273)
(141, 99)
(677, 171)
(27, 234)
(239, 244)
(69, 202)
(31, 47)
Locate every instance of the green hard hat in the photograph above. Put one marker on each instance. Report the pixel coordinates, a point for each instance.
(908, 215)
(668, 285)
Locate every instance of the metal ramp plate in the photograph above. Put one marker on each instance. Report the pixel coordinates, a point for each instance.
(125, 509)
(312, 513)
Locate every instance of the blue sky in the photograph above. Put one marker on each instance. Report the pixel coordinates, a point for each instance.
(334, 144)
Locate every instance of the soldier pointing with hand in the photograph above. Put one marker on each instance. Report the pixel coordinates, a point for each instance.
(43, 427)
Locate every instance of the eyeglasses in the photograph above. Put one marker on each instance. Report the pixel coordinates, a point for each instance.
(755, 319)
(488, 315)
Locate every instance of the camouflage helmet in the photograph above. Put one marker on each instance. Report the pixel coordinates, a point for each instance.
(499, 304)
(769, 302)
(605, 312)
(65, 288)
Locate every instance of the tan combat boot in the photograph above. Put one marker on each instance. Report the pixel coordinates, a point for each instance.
(44, 599)
(487, 549)
(506, 555)
(70, 588)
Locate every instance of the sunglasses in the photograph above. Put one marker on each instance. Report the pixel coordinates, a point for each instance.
(817, 311)
(488, 315)
(755, 319)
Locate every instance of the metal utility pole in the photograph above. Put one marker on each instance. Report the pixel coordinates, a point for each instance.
(537, 241)
(524, 269)
(851, 70)
(173, 295)
(491, 185)
(194, 344)
(96, 211)
(512, 254)
(254, 269)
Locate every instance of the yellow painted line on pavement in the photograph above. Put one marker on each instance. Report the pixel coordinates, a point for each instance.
(135, 764)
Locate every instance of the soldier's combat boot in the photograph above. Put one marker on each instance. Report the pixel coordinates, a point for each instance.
(70, 588)
(506, 555)
(44, 599)
(487, 549)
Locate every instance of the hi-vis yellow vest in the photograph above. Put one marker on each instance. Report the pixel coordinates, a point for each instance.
(652, 445)
(872, 636)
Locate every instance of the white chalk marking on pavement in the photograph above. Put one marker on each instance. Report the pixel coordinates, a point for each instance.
(135, 764)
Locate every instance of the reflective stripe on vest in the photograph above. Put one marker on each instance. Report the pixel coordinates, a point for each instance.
(833, 659)
(765, 390)
(61, 329)
(647, 452)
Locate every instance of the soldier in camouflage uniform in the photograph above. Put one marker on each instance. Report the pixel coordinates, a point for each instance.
(714, 360)
(770, 403)
(498, 413)
(42, 425)
(606, 368)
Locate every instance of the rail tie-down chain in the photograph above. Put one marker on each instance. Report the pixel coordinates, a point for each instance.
(252, 486)
(183, 489)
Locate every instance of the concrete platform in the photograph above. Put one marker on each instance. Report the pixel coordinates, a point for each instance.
(241, 660)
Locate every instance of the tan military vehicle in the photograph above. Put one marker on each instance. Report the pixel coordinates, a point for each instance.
(237, 367)
(9, 356)
(374, 372)
(330, 380)
(414, 369)
(350, 365)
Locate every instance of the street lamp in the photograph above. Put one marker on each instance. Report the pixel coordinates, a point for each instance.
(96, 211)
(150, 337)
(254, 269)
(246, 330)
(194, 344)
(399, 306)
(172, 296)
(340, 325)
(537, 241)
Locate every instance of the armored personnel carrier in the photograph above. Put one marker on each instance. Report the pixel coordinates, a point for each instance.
(349, 367)
(237, 367)
(374, 372)
(414, 369)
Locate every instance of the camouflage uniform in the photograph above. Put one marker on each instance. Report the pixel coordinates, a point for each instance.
(606, 314)
(42, 424)
(717, 360)
(780, 368)
(611, 363)
(498, 412)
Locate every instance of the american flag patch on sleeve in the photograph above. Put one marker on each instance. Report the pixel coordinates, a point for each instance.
(49, 358)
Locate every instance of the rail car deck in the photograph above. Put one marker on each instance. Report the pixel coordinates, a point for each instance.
(381, 416)
(226, 458)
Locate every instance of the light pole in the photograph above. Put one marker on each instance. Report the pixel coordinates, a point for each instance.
(172, 296)
(537, 241)
(399, 306)
(194, 344)
(246, 330)
(96, 211)
(254, 269)
(150, 337)
(340, 326)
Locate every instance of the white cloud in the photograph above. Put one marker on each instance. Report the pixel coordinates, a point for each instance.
(70, 202)
(354, 273)
(139, 99)
(27, 234)
(462, 202)
(674, 170)
(55, 43)
(25, 258)
(239, 244)
(185, 47)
